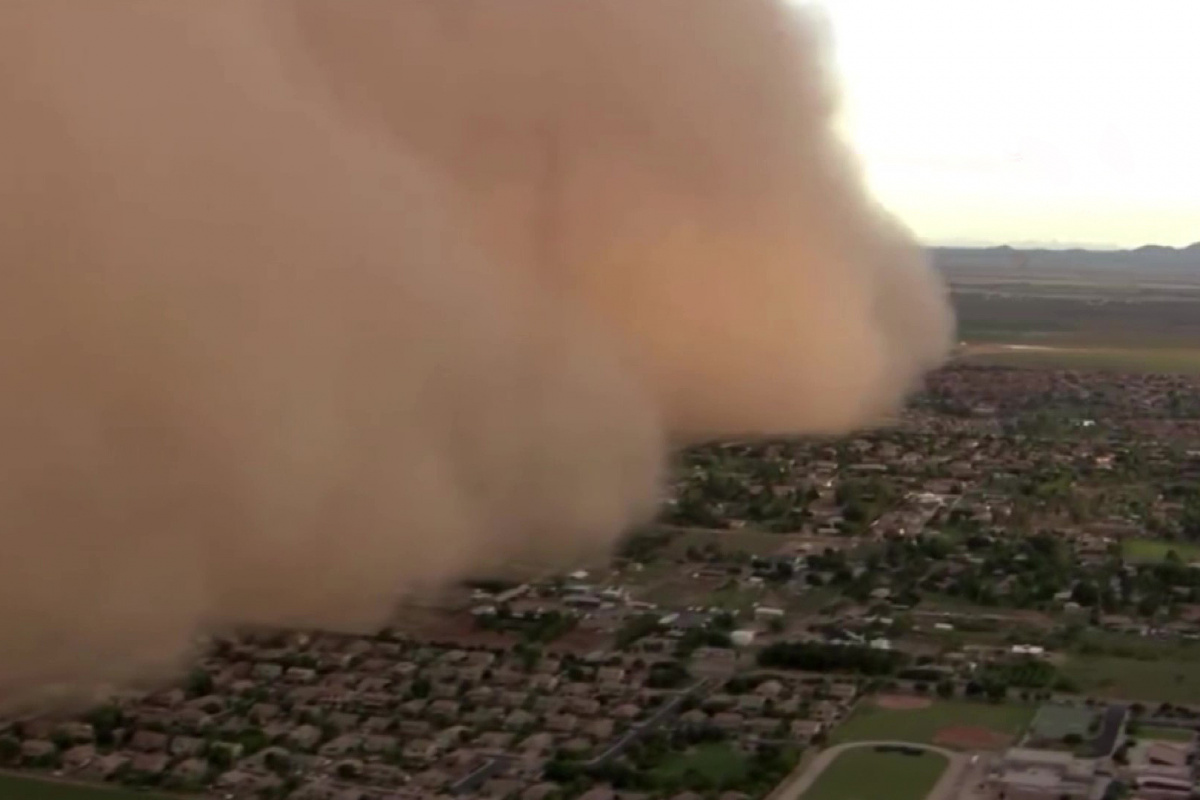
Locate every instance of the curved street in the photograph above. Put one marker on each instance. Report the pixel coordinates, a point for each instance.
(947, 787)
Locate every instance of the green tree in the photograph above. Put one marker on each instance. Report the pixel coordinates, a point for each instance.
(10, 749)
(199, 683)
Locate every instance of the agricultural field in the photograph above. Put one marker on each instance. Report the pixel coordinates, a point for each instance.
(1154, 550)
(1120, 359)
(947, 723)
(865, 774)
(1166, 680)
(21, 788)
(1081, 315)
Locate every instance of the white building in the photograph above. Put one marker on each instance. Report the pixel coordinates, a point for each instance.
(742, 638)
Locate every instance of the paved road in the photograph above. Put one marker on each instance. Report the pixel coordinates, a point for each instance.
(947, 787)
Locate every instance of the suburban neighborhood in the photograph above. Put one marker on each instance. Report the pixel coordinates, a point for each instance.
(997, 597)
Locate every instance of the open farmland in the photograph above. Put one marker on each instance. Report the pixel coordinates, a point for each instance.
(1056, 356)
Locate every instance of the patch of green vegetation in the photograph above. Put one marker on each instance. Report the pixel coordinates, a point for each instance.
(865, 774)
(748, 541)
(871, 723)
(718, 764)
(13, 786)
(1166, 680)
(731, 597)
(636, 628)
(1156, 550)
(1164, 734)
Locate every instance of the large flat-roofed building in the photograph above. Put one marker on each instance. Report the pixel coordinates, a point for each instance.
(1028, 774)
(1164, 787)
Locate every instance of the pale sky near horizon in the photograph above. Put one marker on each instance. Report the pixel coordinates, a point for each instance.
(1071, 121)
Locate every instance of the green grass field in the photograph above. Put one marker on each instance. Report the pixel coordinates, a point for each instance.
(1152, 550)
(13, 787)
(872, 723)
(1165, 734)
(1165, 680)
(720, 764)
(864, 774)
(1053, 722)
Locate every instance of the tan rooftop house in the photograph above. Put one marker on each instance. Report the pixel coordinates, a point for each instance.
(77, 732)
(610, 675)
(545, 683)
(443, 709)
(149, 741)
(305, 737)
(421, 751)
(192, 770)
(341, 745)
(378, 743)
(540, 791)
(627, 711)
(562, 723)
(78, 757)
(751, 702)
(600, 729)
(414, 727)
(805, 729)
(728, 721)
(551, 704)
(511, 699)
(104, 767)
(150, 763)
(538, 743)
(263, 712)
(843, 691)
(494, 740)
(518, 719)
(186, 746)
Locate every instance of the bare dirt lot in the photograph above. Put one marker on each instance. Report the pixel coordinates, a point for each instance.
(967, 737)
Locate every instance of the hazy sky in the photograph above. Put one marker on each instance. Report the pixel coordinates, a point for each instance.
(1027, 120)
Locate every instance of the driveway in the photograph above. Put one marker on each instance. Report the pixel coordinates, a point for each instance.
(947, 787)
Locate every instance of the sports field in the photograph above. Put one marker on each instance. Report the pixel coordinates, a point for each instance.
(865, 774)
(1154, 550)
(949, 724)
(1053, 722)
(13, 787)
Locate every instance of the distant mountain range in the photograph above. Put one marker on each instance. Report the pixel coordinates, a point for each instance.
(1151, 257)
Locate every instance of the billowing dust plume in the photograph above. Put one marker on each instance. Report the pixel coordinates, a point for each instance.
(305, 304)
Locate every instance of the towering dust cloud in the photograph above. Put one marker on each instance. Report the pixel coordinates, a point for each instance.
(306, 304)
